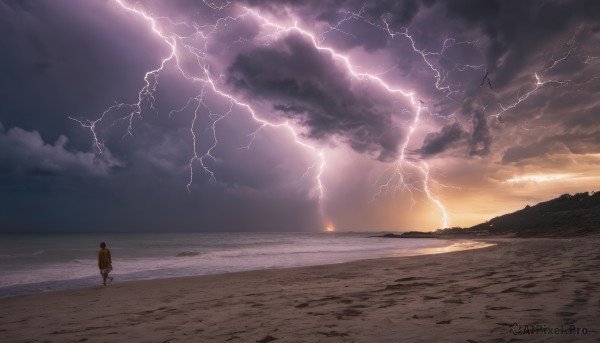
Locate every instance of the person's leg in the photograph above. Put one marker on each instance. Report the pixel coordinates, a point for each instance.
(104, 276)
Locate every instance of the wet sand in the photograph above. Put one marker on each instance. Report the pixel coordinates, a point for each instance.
(466, 296)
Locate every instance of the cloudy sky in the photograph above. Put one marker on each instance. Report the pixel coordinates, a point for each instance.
(293, 115)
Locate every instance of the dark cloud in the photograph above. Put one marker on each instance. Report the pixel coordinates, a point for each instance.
(437, 142)
(519, 153)
(397, 14)
(553, 145)
(73, 58)
(574, 112)
(69, 58)
(510, 33)
(309, 87)
(25, 152)
(59, 59)
(481, 139)
(516, 31)
(377, 16)
(365, 33)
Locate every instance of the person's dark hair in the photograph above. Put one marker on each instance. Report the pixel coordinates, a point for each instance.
(102, 245)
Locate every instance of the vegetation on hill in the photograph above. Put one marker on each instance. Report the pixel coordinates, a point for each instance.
(567, 215)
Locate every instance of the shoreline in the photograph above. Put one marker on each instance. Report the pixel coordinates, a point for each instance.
(474, 295)
(454, 244)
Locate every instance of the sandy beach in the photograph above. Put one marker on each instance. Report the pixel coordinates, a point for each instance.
(549, 287)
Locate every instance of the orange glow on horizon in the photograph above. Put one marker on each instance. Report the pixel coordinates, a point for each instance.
(539, 178)
(330, 228)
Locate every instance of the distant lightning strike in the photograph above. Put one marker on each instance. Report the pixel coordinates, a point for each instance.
(146, 95)
(398, 170)
(397, 181)
(440, 79)
(539, 83)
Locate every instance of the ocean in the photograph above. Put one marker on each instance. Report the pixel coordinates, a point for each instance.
(32, 263)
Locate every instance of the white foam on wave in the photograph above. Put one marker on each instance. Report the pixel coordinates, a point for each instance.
(180, 260)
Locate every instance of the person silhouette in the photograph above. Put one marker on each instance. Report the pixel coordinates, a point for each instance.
(104, 263)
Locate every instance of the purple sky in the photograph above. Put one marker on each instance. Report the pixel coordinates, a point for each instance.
(292, 116)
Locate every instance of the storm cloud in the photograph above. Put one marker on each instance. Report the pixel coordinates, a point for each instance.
(438, 142)
(309, 87)
(25, 152)
(198, 157)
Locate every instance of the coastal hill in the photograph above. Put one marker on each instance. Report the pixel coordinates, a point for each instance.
(565, 216)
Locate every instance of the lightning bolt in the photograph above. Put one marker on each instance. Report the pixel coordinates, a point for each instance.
(430, 58)
(146, 98)
(441, 84)
(539, 83)
(130, 112)
(398, 168)
(398, 181)
(551, 64)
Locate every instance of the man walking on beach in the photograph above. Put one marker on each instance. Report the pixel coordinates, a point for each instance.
(104, 262)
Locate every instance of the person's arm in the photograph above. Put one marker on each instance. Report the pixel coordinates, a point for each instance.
(109, 258)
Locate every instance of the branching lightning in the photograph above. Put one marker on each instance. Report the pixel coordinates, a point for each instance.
(146, 96)
(428, 57)
(400, 177)
(398, 168)
(550, 65)
(539, 83)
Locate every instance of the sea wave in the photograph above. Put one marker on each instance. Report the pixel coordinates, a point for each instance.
(187, 254)
(35, 253)
(71, 261)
